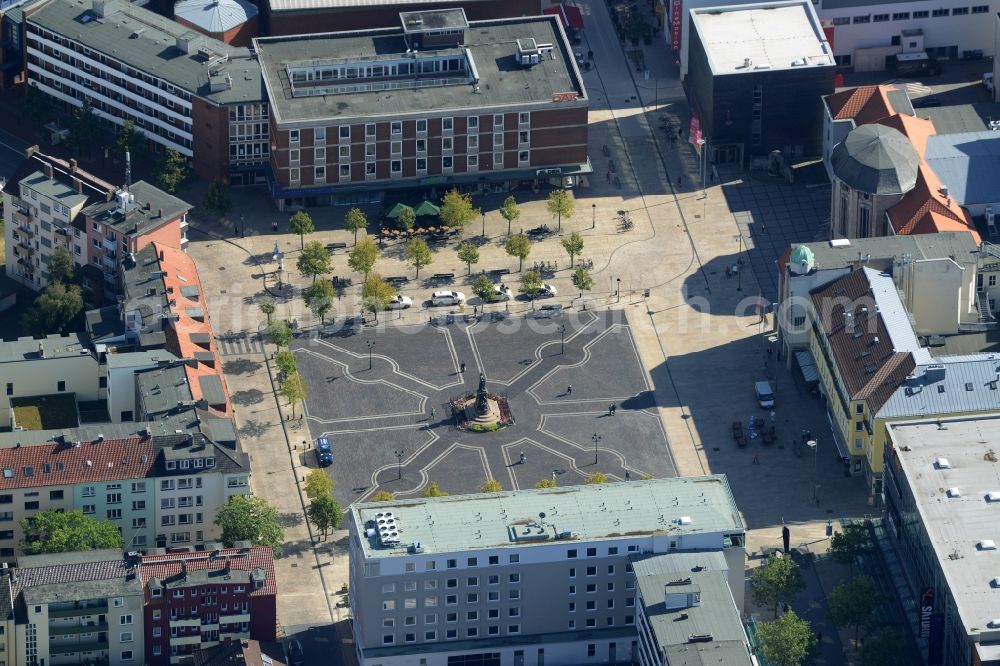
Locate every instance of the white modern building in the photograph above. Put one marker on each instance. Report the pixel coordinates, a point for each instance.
(528, 577)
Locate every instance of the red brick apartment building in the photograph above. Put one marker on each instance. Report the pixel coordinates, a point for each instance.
(435, 102)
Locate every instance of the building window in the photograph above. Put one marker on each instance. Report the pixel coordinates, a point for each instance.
(396, 166)
(369, 151)
(864, 221)
(422, 164)
(421, 145)
(524, 118)
(497, 121)
(396, 127)
(880, 18)
(421, 126)
(320, 174)
(472, 162)
(981, 9)
(369, 131)
(938, 13)
(344, 132)
(125, 620)
(447, 124)
(319, 135)
(319, 155)
(293, 156)
(523, 156)
(922, 14)
(293, 136)
(293, 178)
(396, 147)
(126, 655)
(345, 171)
(447, 161)
(472, 122)
(473, 144)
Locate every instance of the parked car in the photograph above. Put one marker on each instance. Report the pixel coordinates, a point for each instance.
(324, 452)
(447, 298)
(296, 655)
(501, 293)
(547, 291)
(400, 302)
(548, 311)
(764, 393)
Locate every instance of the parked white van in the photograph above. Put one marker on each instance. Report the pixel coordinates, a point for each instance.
(765, 396)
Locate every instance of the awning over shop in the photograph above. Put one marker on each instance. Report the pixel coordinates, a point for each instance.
(571, 16)
(807, 364)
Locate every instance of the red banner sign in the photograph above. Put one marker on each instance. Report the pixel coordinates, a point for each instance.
(676, 14)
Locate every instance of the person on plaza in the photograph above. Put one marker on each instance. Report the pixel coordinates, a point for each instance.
(569, 390)
(628, 475)
(756, 461)
(461, 368)
(274, 225)
(612, 409)
(521, 460)
(433, 412)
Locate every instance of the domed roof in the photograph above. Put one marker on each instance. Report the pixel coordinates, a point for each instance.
(877, 160)
(215, 16)
(802, 260)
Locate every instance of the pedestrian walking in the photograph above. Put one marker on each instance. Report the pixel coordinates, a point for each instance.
(274, 226)
(772, 417)
(678, 181)
(614, 408)
(522, 458)
(756, 460)
(475, 310)
(236, 230)
(729, 271)
(628, 475)
(569, 390)
(461, 368)
(433, 412)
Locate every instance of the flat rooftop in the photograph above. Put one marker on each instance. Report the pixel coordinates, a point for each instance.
(53, 189)
(957, 525)
(958, 245)
(148, 42)
(434, 19)
(153, 207)
(966, 164)
(490, 45)
(772, 35)
(53, 346)
(524, 518)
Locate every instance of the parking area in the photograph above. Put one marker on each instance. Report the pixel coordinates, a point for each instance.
(389, 419)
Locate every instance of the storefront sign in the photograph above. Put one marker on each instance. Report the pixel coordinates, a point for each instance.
(926, 609)
(676, 15)
(564, 97)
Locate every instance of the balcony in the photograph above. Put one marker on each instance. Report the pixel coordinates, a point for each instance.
(109, 244)
(76, 629)
(25, 228)
(181, 659)
(108, 262)
(79, 611)
(232, 619)
(194, 639)
(185, 622)
(75, 648)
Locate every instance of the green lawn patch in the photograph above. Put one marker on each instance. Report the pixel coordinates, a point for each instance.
(45, 412)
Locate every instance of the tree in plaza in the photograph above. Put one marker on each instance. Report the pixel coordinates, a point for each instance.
(55, 531)
(582, 280)
(250, 519)
(325, 513)
(560, 205)
(433, 490)
(407, 218)
(317, 484)
(852, 604)
(129, 140)
(546, 483)
(217, 199)
(314, 260)
(173, 171)
(54, 310)
(319, 297)
(280, 333)
(531, 284)
(418, 254)
(285, 360)
(301, 224)
(355, 221)
(293, 389)
(510, 211)
(491, 486)
(775, 582)
(266, 306)
(518, 246)
(84, 129)
(363, 256)
(573, 244)
(457, 210)
(596, 477)
(885, 647)
(484, 288)
(382, 496)
(847, 545)
(787, 641)
(468, 254)
(376, 294)
(61, 268)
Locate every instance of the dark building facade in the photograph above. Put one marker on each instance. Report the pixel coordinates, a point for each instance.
(752, 94)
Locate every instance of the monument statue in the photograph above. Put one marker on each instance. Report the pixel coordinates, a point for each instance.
(481, 405)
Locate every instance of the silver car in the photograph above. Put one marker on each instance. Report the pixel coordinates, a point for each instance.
(447, 298)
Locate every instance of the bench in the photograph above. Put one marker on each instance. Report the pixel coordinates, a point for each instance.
(443, 276)
(397, 279)
(501, 271)
(330, 247)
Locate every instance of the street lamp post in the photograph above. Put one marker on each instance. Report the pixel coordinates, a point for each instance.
(596, 438)
(399, 465)
(814, 445)
(243, 225)
(371, 344)
(562, 339)
(484, 223)
(701, 150)
(593, 217)
(739, 263)
(618, 290)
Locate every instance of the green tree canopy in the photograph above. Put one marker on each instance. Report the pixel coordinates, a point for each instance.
(531, 284)
(582, 280)
(433, 490)
(510, 211)
(376, 294)
(293, 389)
(776, 581)
(546, 483)
(468, 254)
(787, 641)
(596, 477)
(173, 172)
(54, 310)
(217, 199)
(355, 221)
(382, 496)
(407, 218)
(129, 140)
(301, 224)
(363, 256)
(325, 513)
(61, 268)
(266, 306)
(853, 604)
(491, 486)
(280, 333)
(318, 484)
(67, 532)
(314, 260)
(457, 210)
(319, 296)
(573, 244)
(418, 254)
(847, 545)
(560, 204)
(84, 129)
(250, 519)
(484, 288)
(285, 360)
(885, 647)
(518, 246)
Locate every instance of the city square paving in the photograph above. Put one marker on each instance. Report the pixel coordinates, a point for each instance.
(390, 423)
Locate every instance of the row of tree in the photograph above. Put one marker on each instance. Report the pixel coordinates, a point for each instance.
(323, 510)
(291, 386)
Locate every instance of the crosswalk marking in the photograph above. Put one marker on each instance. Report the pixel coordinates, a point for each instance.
(240, 345)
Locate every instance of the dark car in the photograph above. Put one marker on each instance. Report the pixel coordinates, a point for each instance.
(324, 452)
(296, 656)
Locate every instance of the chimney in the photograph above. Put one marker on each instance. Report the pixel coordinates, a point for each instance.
(159, 212)
(77, 183)
(72, 166)
(48, 170)
(161, 255)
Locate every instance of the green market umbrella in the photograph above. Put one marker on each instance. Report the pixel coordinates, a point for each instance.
(427, 208)
(397, 210)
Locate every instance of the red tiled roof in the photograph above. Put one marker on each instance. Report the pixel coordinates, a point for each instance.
(257, 557)
(865, 104)
(108, 460)
(76, 572)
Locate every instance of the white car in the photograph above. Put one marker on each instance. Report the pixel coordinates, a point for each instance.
(501, 293)
(447, 298)
(400, 302)
(547, 291)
